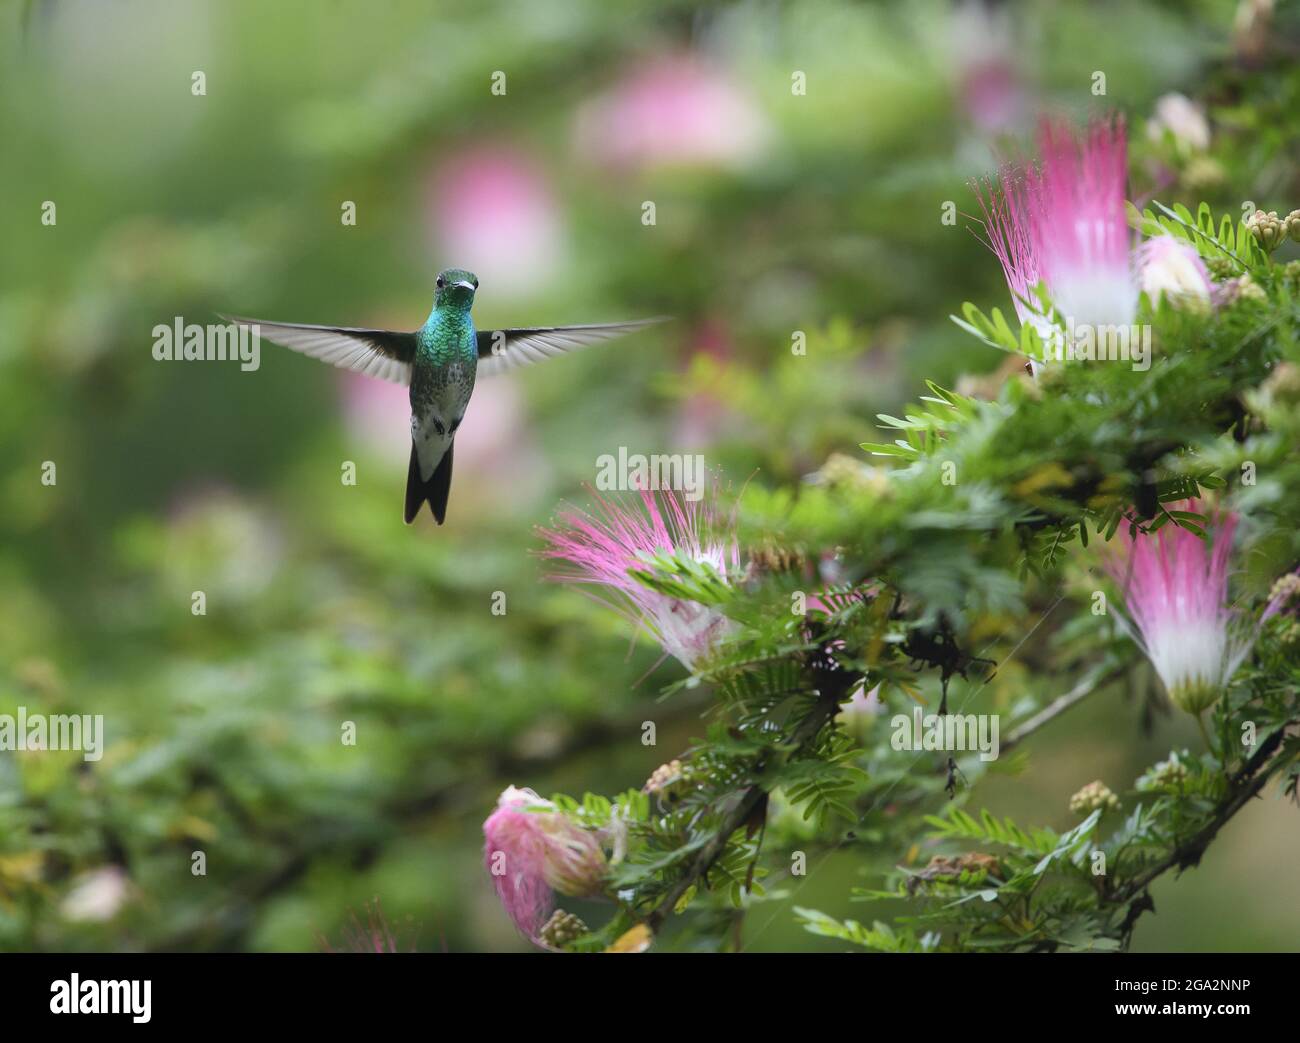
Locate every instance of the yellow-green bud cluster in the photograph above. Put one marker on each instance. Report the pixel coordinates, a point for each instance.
(1285, 589)
(1292, 222)
(1169, 774)
(1093, 796)
(561, 929)
(1268, 229)
(1220, 268)
(1247, 289)
(668, 779)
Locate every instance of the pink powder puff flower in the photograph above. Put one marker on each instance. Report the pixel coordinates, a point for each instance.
(1062, 222)
(1175, 589)
(603, 548)
(532, 850)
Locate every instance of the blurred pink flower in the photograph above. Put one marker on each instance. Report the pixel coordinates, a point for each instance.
(378, 414)
(1181, 118)
(490, 210)
(494, 443)
(532, 853)
(494, 456)
(96, 895)
(985, 60)
(672, 110)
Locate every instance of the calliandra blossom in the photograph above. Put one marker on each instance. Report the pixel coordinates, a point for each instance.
(1175, 588)
(605, 547)
(531, 854)
(1171, 268)
(1061, 221)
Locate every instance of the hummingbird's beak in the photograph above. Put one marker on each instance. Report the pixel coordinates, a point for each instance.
(465, 284)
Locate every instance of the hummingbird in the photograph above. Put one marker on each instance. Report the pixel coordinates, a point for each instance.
(439, 362)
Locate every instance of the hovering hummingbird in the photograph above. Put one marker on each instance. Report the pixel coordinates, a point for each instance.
(439, 362)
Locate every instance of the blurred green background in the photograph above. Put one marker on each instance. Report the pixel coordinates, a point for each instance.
(775, 212)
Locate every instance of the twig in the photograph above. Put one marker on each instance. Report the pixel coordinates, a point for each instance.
(1244, 786)
(825, 709)
(1059, 705)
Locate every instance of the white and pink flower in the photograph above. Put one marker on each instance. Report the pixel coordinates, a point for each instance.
(1062, 222)
(604, 548)
(1175, 588)
(1171, 268)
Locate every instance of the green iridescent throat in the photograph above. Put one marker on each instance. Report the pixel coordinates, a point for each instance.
(448, 336)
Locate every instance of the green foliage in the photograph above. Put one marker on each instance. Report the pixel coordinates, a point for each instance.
(972, 529)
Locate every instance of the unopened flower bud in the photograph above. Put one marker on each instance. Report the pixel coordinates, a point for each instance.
(1221, 267)
(1247, 289)
(1285, 590)
(1166, 775)
(771, 557)
(669, 780)
(1292, 223)
(1093, 796)
(561, 929)
(1267, 228)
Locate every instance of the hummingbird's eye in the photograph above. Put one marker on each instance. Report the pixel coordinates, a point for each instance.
(440, 282)
(476, 284)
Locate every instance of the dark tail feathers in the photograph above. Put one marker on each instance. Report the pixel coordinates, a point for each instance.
(435, 490)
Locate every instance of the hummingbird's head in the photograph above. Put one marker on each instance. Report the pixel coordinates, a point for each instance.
(455, 287)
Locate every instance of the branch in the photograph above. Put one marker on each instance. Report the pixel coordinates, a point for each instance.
(1245, 786)
(223, 924)
(1060, 704)
(825, 709)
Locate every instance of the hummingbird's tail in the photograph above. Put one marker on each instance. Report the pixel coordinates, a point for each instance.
(435, 490)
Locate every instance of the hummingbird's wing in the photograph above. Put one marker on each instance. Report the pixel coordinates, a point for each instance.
(376, 353)
(500, 350)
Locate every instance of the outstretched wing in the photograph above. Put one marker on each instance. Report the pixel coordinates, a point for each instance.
(500, 350)
(376, 353)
